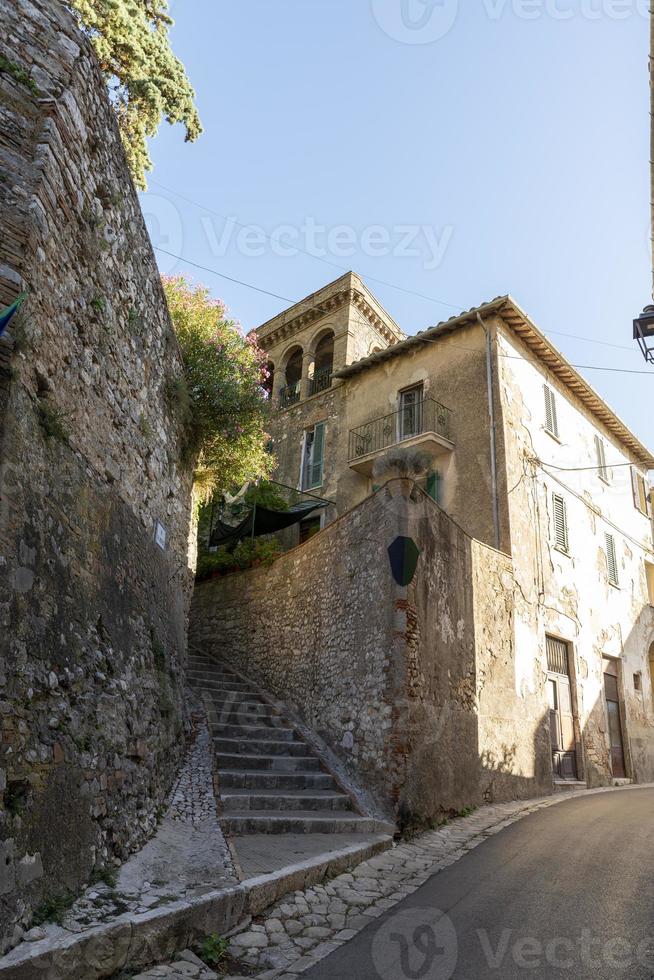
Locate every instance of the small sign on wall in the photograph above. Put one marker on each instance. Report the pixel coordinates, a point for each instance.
(160, 535)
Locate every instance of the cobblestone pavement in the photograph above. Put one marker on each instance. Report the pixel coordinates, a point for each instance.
(306, 926)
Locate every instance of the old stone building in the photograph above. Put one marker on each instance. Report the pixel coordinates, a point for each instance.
(520, 654)
(94, 497)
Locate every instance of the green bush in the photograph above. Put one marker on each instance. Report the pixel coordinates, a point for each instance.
(230, 558)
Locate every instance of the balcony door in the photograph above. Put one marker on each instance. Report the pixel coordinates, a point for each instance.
(410, 414)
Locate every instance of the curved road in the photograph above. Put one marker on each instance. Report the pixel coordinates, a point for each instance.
(566, 892)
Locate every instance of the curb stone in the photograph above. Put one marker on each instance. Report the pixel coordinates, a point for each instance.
(383, 882)
(153, 937)
(137, 941)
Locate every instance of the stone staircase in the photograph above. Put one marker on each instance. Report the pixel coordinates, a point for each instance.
(270, 780)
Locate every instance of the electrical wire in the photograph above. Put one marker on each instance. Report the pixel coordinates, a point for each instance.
(319, 258)
(429, 340)
(383, 282)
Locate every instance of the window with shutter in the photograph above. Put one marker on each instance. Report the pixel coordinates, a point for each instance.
(601, 459)
(312, 464)
(551, 418)
(611, 559)
(560, 518)
(639, 487)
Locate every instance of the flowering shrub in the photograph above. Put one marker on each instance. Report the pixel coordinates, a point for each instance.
(220, 398)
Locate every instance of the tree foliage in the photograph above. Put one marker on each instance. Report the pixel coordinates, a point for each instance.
(146, 81)
(220, 397)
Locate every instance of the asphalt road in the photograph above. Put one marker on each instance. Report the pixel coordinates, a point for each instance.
(566, 892)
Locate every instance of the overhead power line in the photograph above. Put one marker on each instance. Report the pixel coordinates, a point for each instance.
(342, 268)
(433, 340)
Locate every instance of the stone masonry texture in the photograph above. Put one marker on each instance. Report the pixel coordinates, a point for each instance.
(92, 611)
(410, 688)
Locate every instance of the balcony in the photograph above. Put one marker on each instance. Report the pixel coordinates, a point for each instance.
(321, 381)
(425, 426)
(290, 394)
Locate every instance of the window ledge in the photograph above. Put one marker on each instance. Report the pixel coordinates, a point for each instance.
(561, 551)
(552, 435)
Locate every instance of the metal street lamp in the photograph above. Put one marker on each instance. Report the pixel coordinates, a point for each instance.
(644, 333)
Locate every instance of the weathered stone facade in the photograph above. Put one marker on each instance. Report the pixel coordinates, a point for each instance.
(411, 687)
(92, 610)
(559, 679)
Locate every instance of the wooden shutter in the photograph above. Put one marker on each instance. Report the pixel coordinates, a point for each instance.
(551, 419)
(560, 520)
(641, 496)
(601, 459)
(315, 474)
(611, 559)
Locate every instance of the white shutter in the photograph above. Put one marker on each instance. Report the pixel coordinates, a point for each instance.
(611, 559)
(551, 419)
(601, 459)
(639, 488)
(560, 521)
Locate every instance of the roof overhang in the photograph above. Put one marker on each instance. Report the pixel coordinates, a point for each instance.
(527, 331)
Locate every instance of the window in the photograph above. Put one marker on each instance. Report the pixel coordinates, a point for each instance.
(638, 682)
(611, 559)
(312, 457)
(601, 459)
(560, 521)
(411, 412)
(309, 527)
(649, 573)
(433, 486)
(551, 417)
(641, 495)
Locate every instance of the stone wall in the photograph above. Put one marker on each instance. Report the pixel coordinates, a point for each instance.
(92, 610)
(399, 682)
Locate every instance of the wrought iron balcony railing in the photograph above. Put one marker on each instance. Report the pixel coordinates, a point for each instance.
(320, 381)
(414, 420)
(290, 394)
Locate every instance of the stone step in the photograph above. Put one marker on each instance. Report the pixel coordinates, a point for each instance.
(277, 763)
(251, 746)
(241, 715)
(275, 732)
(298, 822)
(218, 683)
(267, 779)
(568, 785)
(220, 694)
(258, 800)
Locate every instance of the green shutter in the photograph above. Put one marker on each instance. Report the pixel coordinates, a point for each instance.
(434, 486)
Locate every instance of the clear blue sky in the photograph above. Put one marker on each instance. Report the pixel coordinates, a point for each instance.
(514, 147)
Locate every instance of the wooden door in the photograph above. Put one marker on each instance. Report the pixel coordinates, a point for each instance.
(562, 726)
(611, 694)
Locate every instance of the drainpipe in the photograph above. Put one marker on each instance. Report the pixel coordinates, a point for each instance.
(493, 435)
